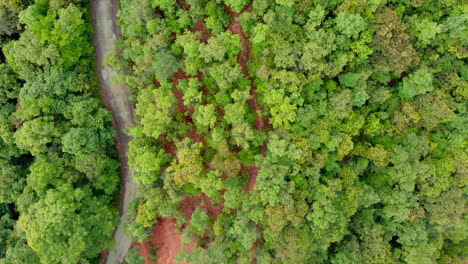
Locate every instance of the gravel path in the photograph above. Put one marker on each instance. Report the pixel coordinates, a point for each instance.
(104, 14)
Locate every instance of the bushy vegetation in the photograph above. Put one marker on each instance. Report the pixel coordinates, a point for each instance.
(58, 169)
(307, 131)
(366, 153)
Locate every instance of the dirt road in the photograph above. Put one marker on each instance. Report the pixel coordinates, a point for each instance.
(106, 31)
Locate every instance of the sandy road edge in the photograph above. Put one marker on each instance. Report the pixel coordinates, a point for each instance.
(116, 98)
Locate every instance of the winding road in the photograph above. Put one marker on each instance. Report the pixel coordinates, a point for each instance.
(116, 97)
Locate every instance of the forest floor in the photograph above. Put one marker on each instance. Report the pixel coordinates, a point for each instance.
(166, 236)
(167, 240)
(261, 122)
(116, 98)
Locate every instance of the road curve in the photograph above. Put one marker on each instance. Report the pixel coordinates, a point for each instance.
(116, 97)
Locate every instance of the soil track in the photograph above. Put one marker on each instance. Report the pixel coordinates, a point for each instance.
(116, 98)
(166, 236)
(167, 240)
(260, 122)
(200, 27)
(236, 27)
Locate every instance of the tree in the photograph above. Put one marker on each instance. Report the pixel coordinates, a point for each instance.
(8, 20)
(225, 160)
(18, 250)
(205, 117)
(101, 171)
(283, 110)
(320, 44)
(165, 65)
(225, 74)
(49, 93)
(138, 231)
(200, 221)
(217, 18)
(212, 185)
(236, 5)
(58, 225)
(221, 46)
(9, 85)
(188, 167)
(426, 30)
(156, 110)
(243, 230)
(12, 182)
(235, 113)
(241, 134)
(87, 112)
(433, 109)
(35, 135)
(374, 247)
(86, 140)
(416, 83)
(155, 203)
(191, 90)
(65, 30)
(146, 161)
(350, 24)
(6, 224)
(133, 257)
(394, 53)
(340, 103)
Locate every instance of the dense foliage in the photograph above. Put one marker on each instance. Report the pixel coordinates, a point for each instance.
(58, 168)
(366, 156)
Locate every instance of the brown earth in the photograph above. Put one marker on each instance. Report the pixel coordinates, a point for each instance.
(189, 204)
(165, 235)
(253, 173)
(236, 27)
(167, 240)
(260, 122)
(200, 27)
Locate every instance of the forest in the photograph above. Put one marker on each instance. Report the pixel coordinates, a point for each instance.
(59, 174)
(268, 131)
(299, 131)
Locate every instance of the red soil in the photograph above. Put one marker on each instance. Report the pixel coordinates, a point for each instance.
(103, 256)
(182, 108)
(144, 252)
(170, 147)
(193, 134)
(200, 27)
(263, 149)
(260, 122)
(180, 103)
(254, 170)
(189, 204)
(179, 75)
(156, 83)
(256, 245)
(165, 235)
(253, 173)
(236, 27)
(167, 240)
